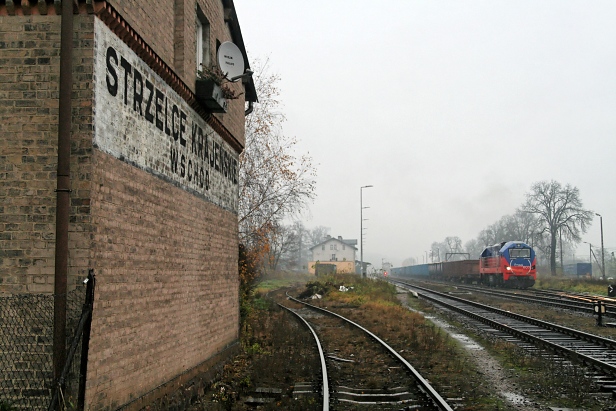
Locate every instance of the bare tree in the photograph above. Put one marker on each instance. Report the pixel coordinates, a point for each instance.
(274, 183)
(474, 248)
(451, 244)
(298, 254)
(492, 234)
(317, 235)
(524, 226)
(282, 246)
(516, 227)
(297, 258)
(502, 230)
(438, 251)
(454, 243)
(558, 211)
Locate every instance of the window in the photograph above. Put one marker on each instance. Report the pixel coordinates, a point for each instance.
(203, 40)
(331, 246)
(323, 247)
(334, 257)
(519, 253)
(343, 247)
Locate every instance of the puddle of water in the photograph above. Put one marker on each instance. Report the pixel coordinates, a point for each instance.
(513, 398)
(466, 341)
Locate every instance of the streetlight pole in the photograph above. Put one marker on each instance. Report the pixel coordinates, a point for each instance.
(361, 229)
(602, 251)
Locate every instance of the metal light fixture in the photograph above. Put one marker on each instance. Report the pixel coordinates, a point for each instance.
(247, 73)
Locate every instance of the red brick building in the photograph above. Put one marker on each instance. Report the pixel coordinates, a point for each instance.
(153, 181)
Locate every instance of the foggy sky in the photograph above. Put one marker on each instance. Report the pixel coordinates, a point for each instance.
(450, 109)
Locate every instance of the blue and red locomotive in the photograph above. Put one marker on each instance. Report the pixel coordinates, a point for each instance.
(513, 264)
(510, 264)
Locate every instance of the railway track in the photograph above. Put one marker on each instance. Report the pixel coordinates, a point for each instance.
(597, 353)
(378, 379)
(556, 299)
(583, 300)
(562, 300)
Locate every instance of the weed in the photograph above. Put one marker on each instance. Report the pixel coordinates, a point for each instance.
(260, 303)
(68, 403)
(559, 382)
(373, 384)
(224, 395)
(245, 382)
(6, 406)
(360, 290)
(254, 349)
(592, 286)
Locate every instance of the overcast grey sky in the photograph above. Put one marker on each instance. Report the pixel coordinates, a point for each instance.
(450, 109)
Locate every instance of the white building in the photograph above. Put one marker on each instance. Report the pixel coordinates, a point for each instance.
(338, 252)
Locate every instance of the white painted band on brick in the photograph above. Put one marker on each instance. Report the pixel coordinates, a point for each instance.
(139, 119)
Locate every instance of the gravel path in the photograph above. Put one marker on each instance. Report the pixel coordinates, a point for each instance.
(486, 364)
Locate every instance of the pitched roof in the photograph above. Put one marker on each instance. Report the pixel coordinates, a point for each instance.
(349, 242)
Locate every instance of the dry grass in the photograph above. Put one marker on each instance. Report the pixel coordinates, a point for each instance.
(538, 377)
(278, 353)
(582, 285)
(439, 358)
(545, 380)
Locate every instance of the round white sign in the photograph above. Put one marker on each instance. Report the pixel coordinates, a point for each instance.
(230, 60)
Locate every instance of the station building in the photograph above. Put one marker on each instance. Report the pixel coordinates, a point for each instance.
(334, 255)
(152, 186)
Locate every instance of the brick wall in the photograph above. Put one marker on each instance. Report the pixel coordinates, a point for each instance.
(164, 246)
(167, 283)
(177, 47)
(214, 10)
(29, 78)
(164, 252)
(154, 21)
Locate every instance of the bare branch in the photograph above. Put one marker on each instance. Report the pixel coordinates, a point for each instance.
(559, 210)
(274, 183)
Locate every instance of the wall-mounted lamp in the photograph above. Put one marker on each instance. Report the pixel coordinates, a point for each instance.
(247, 73)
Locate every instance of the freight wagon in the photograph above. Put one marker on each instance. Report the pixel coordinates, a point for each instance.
(508, 264)
(463, 271)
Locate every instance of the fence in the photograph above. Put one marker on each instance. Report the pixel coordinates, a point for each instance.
(26, 351)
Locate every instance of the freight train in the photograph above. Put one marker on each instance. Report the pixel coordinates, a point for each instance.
(510, 264)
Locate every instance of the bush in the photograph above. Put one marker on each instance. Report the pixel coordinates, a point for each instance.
(6, 406)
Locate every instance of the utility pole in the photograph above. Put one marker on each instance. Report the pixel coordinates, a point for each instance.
(361, 230)
(602, 249)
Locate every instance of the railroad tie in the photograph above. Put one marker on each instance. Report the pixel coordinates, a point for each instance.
(264, 395)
